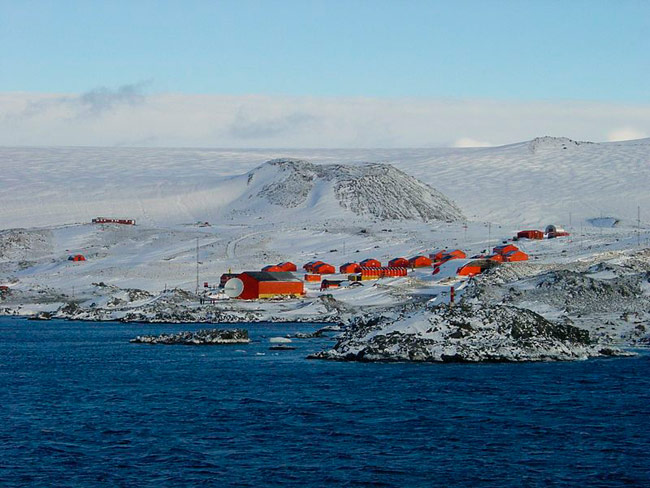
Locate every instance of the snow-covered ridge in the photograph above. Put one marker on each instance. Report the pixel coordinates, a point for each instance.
(372, 190)
(528, 183)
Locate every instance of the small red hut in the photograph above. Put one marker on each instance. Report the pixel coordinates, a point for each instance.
(288, 266)
(311, 265)
(272, 268)
(349, 268)
(505, 249)
(399, 263)
(419, 262)
(530, 234)
(515, 256)
(323, 268)
(370, 263)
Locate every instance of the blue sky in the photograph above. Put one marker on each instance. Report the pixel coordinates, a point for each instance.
(581, 50)
(322, 73)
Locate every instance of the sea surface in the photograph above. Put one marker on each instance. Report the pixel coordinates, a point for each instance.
(81, 406)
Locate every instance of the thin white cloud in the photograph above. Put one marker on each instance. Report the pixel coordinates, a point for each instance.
(626, 134)
(126, 116)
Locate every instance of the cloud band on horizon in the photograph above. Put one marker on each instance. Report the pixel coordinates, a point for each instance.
(126, 116)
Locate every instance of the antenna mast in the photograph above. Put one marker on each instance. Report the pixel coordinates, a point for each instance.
(638, 225)
(197, 266)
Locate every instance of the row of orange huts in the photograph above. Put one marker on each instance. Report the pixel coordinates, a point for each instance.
(278, 280)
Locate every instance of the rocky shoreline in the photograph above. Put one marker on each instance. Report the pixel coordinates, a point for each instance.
(465, 333)
(204, 337)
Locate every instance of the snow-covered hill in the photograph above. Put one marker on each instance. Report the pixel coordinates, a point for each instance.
(528, 183)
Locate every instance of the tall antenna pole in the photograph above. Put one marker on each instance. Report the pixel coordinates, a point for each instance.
(197, 266)
(638, 225)
(489, 236)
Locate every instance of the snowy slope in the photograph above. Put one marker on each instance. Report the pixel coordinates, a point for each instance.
(523, 184)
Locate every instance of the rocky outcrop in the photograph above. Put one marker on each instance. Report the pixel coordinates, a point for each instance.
(466, 333)
(372, 190)
(206, 337)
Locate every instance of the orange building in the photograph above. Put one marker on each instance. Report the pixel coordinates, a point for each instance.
(272, 269)
(515, 256)
(311, 265)
(261, 284)
(382, 272)
(288, 266)
(349, 268)
(436, 256)
(323, 268)
(419, 262)
(398, 263)
(475, 267)
(505, 249)
(370, 263)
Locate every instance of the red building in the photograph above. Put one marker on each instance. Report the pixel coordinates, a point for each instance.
(530, 234)
(225, 277)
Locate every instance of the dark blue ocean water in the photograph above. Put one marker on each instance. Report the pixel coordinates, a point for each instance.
(80, 406)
